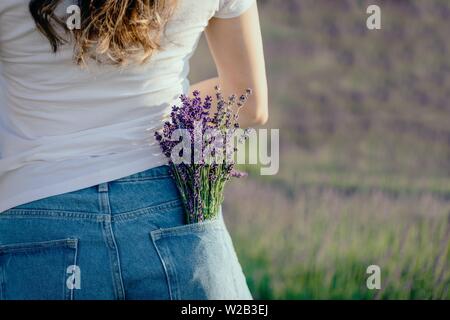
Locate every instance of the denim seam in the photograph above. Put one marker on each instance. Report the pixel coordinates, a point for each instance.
(159, 177)
(75, 261)
(164, 265)
(49, 213)
(114, 259)
(188, 228)
(176, 284)
(105, 238)
(159, 208)
(121, 217)
(24, 247)
(103, 200)
(111, 244)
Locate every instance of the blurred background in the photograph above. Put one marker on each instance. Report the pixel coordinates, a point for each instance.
(364, 119)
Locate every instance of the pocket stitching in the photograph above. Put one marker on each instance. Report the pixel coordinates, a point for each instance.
(70, 243)
(165, 266)
(142, 179)
(186, 228)
(156, 209)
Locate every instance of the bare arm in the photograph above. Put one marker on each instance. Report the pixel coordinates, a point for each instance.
(237, 49)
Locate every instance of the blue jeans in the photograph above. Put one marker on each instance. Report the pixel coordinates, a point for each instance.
(124, 239)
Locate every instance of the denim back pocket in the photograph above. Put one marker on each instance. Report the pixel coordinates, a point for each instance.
(200, 262)
(38, 270)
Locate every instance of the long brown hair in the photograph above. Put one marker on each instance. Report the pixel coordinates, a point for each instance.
(117, 30)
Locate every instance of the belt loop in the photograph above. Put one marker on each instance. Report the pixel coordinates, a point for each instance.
(103, 187)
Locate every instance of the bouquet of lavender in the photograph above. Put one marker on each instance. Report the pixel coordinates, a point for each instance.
(201, 147)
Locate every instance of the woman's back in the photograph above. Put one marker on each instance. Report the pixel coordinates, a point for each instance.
(64, 127)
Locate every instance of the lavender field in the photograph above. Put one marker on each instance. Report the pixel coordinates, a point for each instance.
(364, 119)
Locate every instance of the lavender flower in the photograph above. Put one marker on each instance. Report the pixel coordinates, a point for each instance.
(201, 184)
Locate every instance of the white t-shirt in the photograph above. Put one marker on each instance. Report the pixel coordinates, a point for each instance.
(64, 128)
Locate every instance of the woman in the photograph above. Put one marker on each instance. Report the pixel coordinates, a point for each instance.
(88, 208)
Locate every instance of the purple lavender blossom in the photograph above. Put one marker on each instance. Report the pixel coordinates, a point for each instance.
(238, 174)
(201, 185)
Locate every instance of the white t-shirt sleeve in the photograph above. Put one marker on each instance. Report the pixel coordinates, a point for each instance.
(232, 8)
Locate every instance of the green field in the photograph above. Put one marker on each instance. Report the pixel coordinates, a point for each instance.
(364, 119)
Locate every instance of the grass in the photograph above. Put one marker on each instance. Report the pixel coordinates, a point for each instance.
(318, 243)
(365, 153)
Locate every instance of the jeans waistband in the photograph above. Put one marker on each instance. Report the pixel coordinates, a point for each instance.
(161, 172)
(153, 173)
(122, 199)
